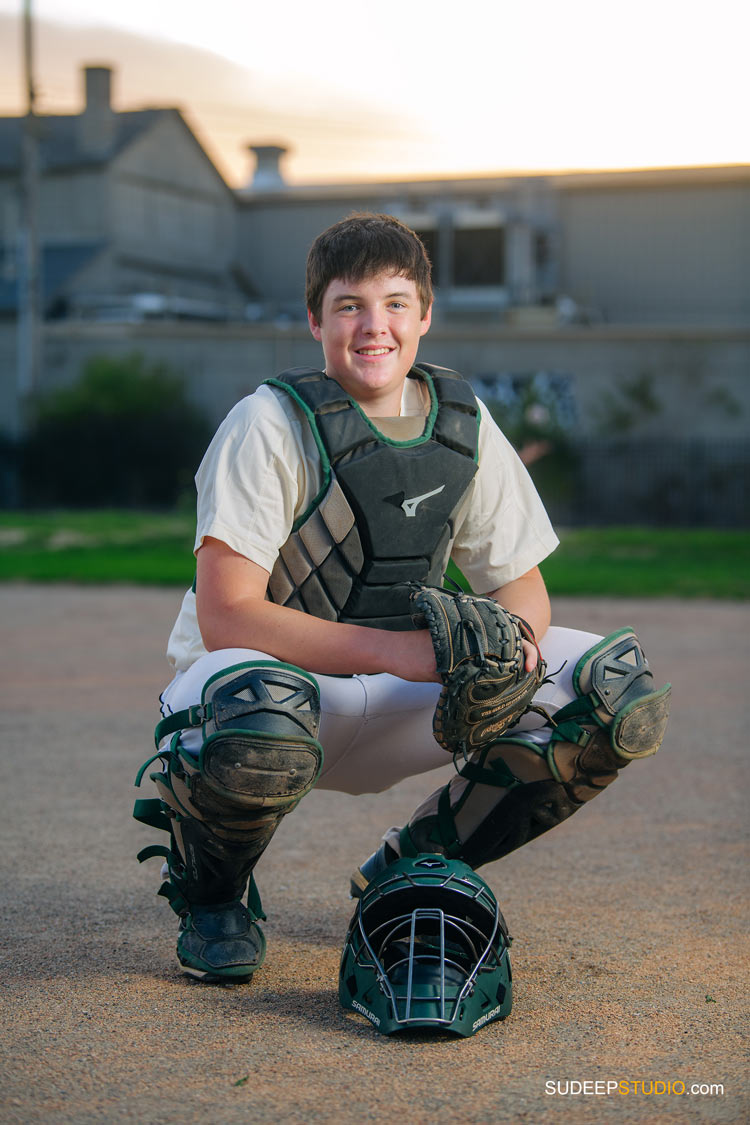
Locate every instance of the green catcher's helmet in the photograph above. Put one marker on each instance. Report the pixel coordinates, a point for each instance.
(427, 947)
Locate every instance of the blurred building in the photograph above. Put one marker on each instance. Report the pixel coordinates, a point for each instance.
(616, 302)
(135, 221)
(133, 217)
(653, 247)
(609, 311)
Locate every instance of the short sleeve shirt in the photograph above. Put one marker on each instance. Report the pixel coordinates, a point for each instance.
(262, 470)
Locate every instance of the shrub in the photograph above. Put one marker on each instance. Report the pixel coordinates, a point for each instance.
(124, 435)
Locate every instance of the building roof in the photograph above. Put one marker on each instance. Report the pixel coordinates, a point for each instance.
(483, 184)
(60, 139)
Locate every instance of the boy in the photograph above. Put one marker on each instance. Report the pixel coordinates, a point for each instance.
(322, 496)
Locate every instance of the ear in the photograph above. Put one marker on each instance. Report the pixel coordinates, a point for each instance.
(315, 326)
(426, 321)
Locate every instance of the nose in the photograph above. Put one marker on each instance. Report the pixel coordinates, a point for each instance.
(374, 322)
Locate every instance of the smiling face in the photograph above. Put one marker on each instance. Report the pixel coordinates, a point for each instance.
(370, 331)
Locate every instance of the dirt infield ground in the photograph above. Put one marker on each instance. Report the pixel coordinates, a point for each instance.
(630, 921)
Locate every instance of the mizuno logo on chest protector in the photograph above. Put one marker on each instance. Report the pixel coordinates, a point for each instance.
(410, 505)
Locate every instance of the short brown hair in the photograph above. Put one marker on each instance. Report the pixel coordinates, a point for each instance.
(360, 246)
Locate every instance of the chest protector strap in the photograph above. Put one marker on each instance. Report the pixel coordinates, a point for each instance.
(385, 513)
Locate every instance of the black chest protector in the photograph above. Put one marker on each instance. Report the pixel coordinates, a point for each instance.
(384, 515)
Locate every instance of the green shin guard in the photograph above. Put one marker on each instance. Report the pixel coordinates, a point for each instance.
(259, 757)
(219, 938)
(518, 788)
(500, 800)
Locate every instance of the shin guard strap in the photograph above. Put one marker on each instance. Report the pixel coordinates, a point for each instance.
(151, 812)
(406, 846)
(446, 823)
(498, 774)
(447, 842)
(194, 716)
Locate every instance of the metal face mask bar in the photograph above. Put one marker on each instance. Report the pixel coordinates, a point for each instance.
(427, 947)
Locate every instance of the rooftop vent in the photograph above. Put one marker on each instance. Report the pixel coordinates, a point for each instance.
(267, 175)
(97, 122)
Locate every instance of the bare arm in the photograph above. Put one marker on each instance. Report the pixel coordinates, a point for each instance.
(233, 612)
(527, 597)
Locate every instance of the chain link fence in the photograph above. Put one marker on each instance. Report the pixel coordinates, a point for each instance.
(657, 482)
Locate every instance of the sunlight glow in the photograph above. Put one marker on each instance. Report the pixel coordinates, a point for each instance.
(486, 85)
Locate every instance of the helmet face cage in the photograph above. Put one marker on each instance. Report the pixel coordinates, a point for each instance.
(427, 947)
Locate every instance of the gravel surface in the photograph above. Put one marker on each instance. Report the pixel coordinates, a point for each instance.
(630, 921)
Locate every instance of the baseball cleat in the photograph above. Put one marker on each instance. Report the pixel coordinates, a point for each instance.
(221, 942)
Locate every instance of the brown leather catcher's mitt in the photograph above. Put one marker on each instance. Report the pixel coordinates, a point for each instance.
(480, 658)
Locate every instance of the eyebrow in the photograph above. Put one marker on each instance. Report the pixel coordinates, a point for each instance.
(358, 296)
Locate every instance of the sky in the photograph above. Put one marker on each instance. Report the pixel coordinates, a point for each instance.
(380, 91)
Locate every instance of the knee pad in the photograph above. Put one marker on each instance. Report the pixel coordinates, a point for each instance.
(260, 753)
(616, 680)
(618, 716)
(260, 747)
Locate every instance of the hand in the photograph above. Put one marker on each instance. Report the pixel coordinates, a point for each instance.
(411, 656)
(531, 654)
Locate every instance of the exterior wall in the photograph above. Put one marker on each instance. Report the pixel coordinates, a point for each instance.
(656, 382)
(671, 383)
(100, 275)
(174, 220)
(274, 240)
(73, 207)
(662, 261)
(9, 204)
(673, 253)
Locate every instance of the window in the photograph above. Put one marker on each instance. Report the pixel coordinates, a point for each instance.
(430, 241)
(479, 256)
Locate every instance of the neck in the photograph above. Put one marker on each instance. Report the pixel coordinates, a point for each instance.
(389, 406)
(375, 402)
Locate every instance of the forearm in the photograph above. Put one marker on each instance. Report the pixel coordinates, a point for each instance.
(327, 647)
(527, 597)
(233, 613)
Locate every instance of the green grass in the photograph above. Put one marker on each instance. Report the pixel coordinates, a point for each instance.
(651, 562)
(102, 546)
(156, 549)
